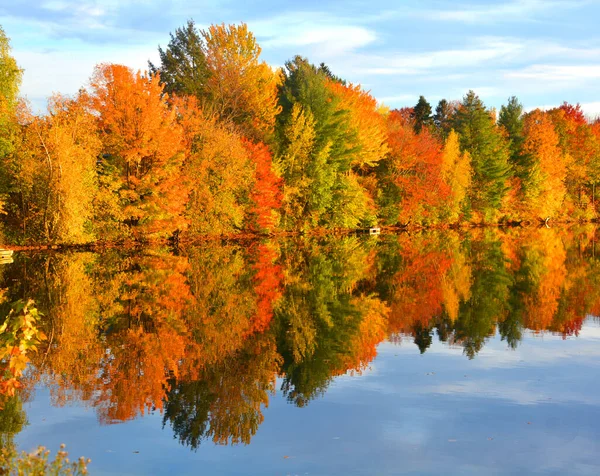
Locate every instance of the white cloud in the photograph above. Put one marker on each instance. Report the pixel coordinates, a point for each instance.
(518, 10)
(318, 32)
(563, 73)
(67, 71)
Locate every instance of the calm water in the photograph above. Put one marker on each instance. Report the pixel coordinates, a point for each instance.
(433, 353)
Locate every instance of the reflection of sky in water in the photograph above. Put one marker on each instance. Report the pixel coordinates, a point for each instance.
(530, 410)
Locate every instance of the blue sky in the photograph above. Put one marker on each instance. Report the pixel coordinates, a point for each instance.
(543, 51)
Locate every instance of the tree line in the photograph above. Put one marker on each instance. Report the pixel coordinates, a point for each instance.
(213, 140)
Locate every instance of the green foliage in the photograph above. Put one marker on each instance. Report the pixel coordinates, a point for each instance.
(422, 114)
(38, 463)
(489, 153)
(511, 119)
(183, 69)
(316, 150)
(10, 80)
(443, 117)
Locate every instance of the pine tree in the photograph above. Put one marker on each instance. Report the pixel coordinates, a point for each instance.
(443, 117)
(511, 119)
(421, 114)
(481, 138)
(183, 68)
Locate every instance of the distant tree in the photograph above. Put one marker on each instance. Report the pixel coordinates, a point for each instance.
(443, 116)
(421, 114)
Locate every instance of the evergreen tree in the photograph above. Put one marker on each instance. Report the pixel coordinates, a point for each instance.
(511, 119)
(421, 114)
(482, 139)
(442, 117)
(331, 196)
(183, 69)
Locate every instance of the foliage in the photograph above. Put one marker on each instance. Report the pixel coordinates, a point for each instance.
(38, 463)
(142, 142)
(183, 68)
(19, 336)
(421, 115)
(481, 138)
(412, 172)
(215, 141)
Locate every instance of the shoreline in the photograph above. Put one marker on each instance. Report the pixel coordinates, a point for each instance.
(252, 236)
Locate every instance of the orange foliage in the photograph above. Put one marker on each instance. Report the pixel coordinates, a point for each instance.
(266, 193)
(365, 119)
(419, 290)
(546, 195)
(268, 279)
(142, 138)
(416, 165)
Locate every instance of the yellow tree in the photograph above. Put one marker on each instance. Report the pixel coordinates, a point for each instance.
(370, 141)
(55, 180)
(545, 187)
(293, 165)
(219, 170)
(240, 87)
(456, 173)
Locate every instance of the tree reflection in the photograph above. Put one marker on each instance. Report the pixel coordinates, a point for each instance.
(204, 335)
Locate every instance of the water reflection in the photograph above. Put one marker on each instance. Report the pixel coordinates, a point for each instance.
(203, 335)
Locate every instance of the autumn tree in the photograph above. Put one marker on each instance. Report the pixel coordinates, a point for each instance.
(10, 80)
(456, 172)
(580, 146)
(241, 88)
(143, 152)
(317, 146)
(266, 190)
(412, 173)
(544, 186)
(54, 178)
(220, 173)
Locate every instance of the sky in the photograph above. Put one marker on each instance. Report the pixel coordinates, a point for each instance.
(543, 51)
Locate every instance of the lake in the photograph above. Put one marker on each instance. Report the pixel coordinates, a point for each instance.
(442, 352)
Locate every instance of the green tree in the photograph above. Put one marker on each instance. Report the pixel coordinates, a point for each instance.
(316, 146)
(511, 119)
(422, 114)
(483, 140)
(443, 117)
(10, 80)
(183, 69)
